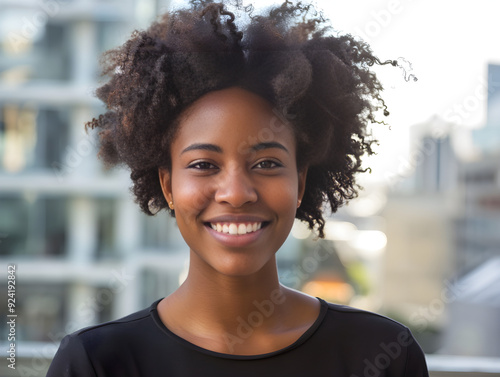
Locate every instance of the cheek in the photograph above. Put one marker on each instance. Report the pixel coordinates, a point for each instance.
(284, 197)
(191, 196)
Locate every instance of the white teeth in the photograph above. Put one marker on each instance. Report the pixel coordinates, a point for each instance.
(235, 229)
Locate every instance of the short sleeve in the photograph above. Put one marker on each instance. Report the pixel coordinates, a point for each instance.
(71, 360)
(416, 366)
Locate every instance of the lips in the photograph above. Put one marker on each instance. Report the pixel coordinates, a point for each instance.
(234, 234)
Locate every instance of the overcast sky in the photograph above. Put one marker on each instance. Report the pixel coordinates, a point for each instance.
(449, 44)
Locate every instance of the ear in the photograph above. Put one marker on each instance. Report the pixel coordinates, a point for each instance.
(302, 182)
(166, 184)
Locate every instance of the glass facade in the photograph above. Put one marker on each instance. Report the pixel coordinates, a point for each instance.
(34, 227)
(34, 52)
(69, 225)
(32, 137)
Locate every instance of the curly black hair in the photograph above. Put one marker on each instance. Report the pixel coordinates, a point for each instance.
(321, 81)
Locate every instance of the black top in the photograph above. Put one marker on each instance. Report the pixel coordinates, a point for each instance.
(343, 341)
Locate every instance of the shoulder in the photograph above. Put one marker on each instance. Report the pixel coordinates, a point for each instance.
(380, 341)
(127, 327)
(356, 323)
(83, 352)
(362, 319)
(135, 321)
(138, 318)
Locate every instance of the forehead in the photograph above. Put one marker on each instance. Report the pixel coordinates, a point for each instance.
(232, 116)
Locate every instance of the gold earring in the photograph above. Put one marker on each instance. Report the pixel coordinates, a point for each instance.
(171, 205)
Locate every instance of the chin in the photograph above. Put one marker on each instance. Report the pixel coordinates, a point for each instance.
(240, 268)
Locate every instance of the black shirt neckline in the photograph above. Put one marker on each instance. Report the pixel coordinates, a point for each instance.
(303, 338)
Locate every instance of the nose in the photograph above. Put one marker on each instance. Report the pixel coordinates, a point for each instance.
(236, 188)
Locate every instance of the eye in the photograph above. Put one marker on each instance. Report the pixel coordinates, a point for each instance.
(268, 164)
(202, 165)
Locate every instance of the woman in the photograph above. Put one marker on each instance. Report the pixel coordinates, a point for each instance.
(237, 131)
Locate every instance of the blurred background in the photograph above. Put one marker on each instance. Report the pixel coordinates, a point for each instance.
(421, 244)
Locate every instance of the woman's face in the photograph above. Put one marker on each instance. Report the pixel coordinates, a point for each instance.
(234, 182)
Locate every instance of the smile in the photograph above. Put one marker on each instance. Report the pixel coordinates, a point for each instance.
(236, 228)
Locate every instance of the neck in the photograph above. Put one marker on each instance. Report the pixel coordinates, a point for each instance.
(227, 300)
(237, 314)
(229, 296)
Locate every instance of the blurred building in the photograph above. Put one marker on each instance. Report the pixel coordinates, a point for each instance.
(477, 226)
(420, 249)
(442, 225)
(478, 236)
(475, 313)
(85, 253)
(487, 138)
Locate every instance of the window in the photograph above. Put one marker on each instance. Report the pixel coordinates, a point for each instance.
(43, 312)
(32, 52)
(106, 215)
(34, 226)
(160, 232)
(31, 137)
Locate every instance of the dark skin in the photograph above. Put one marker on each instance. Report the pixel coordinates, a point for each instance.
(234, 166)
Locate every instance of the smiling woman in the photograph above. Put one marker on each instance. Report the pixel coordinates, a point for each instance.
(220, 189)
(237, 133)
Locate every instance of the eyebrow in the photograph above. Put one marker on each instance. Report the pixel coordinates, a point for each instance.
(203, 147)
(272, 144)
(215, 148)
